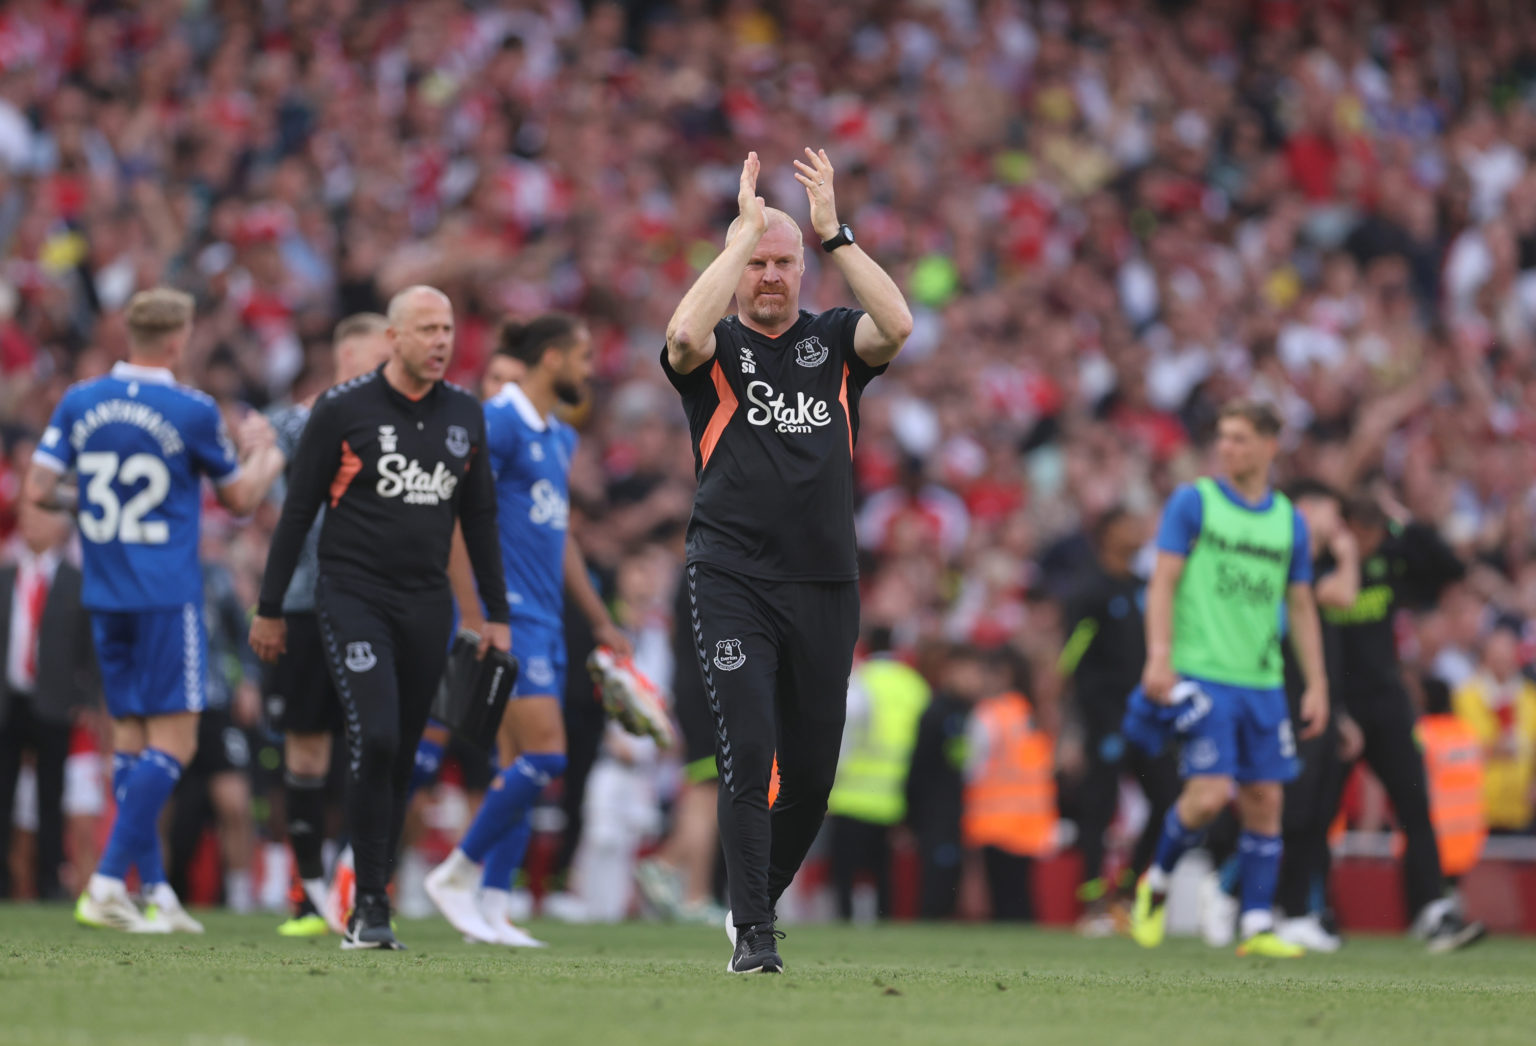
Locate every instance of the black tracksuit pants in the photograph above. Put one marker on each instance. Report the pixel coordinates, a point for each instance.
(775, 657)
(386, 651)
(1099, 795)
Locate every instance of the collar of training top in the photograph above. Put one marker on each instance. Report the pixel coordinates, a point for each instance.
(399, 397)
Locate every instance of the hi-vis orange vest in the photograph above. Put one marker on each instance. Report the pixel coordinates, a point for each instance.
(1010, 791)
(1453, 764)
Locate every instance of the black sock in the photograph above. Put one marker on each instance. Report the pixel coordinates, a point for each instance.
(306, 818)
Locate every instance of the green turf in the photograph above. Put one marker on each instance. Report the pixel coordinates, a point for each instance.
(658, 984)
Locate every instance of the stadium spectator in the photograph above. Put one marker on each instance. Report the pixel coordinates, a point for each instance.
(49, 677)
(1499, 703)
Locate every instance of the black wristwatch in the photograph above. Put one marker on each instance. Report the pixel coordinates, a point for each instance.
(843, 238)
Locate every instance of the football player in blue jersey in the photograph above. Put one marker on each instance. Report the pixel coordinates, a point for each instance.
(139, 444)
(530, 452)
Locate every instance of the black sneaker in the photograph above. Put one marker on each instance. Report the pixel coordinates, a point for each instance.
(1454, 933)
(369, 926)
(757, 950)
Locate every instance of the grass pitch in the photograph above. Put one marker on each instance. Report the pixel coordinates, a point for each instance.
(645, 983)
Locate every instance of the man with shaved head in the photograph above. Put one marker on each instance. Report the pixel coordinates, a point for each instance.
(772, 396)
(397, 457)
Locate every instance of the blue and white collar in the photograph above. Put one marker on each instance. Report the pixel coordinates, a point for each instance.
(513, 393)
(138, 372)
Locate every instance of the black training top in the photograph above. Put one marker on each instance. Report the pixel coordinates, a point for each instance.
(1410, 569)
(774, 421)
(1107, 648)
(393, 474)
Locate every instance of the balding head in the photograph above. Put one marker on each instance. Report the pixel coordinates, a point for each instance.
(410, 298)
(772, 216)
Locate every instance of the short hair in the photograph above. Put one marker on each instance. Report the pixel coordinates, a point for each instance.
(397, 303)
(1363, 510)
(359, 324)
(1262, 415)
(1312, 487)
(154, 313)
(1107, 519)
(528, 341)
(772, 216)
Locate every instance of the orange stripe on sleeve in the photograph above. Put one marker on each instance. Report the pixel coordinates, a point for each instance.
(842, 397)
(351, 465)
(724, 411)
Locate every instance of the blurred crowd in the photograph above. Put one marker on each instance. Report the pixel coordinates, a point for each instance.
(1108, 217)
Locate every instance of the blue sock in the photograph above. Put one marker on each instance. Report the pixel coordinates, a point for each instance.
(1175, 841)
(1260, 857)
(429, 760)
(135, 833)
(122, 766)
(506, 856)
(511, 796)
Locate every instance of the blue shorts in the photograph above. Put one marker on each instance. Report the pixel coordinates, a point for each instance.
(540, 651)
(153, 662)
(1246, 735)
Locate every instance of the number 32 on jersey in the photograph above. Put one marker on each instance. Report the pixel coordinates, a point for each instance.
(117, 520)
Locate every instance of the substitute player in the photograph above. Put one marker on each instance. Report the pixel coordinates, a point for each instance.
(1233, 555)
(301, 699)
(772, 397)
(139, 443)
(396, 456)
(530, 453)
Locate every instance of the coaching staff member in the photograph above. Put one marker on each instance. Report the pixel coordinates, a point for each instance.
(396, 456)
(772, 396)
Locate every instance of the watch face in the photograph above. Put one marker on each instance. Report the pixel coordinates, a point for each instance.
(847, 233)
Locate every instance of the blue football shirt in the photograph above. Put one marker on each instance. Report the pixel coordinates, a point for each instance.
(140, 443)
(531, 459)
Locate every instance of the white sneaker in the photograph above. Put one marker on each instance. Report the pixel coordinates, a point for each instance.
(105, 904)
(1308, 932)
(453, 886)
(494, 905)
(165, 906)
(1218, 913)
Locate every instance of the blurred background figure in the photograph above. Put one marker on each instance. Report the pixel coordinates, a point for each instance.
(1498, 702)
(49, 680)
(1010, 793)
(1103, 656)
(216, 788)
(886, 700)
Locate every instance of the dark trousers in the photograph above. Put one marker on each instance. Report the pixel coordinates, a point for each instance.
(386, 652)
(1108, 758)
(858, 846)
(775, 658)
(22, 732)
(940, 853)
(1393, 755)
(1311, 801)
(1010, 882)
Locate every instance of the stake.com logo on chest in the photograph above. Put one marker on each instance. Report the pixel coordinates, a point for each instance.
(769, 408)
(419, 487)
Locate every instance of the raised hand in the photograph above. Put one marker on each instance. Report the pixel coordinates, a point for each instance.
(754, 219)
(816, 176)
